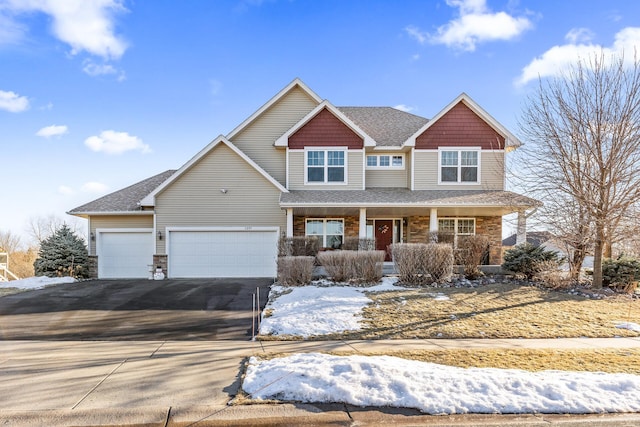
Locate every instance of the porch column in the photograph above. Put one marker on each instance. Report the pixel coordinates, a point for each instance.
(289, 222)
(362, 232)
(521, 232)
(433, 224)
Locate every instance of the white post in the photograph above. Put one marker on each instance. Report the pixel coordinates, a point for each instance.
(289, 222)
(521, 233)
(362, 233)
(433, 222)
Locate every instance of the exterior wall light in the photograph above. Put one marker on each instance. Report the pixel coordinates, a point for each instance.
(159, 235)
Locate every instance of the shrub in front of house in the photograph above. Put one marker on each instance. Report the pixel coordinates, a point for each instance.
(470, 253)
(530, 260)
(423, 263)
(357, 244)
(298, 246)
(358, 266)
(295, 270)
(622, 273)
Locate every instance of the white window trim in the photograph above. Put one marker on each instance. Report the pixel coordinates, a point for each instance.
(455, 227)
(325, 149)
(390, 167)
(324, 228)
(459, 150)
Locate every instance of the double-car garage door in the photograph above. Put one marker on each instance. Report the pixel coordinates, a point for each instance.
(222, 253)
(229, 252)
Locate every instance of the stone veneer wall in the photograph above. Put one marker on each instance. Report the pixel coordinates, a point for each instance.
(161, 261)
(92, 266)
(491, 226)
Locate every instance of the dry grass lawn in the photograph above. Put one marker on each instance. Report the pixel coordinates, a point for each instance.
(501, 310)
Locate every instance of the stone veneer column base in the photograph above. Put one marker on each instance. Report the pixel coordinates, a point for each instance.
(162, 262)
(92, 266)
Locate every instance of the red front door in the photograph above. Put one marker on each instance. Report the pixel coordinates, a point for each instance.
(384, 236)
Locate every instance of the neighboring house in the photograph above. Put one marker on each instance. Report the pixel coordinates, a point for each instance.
(301, 166)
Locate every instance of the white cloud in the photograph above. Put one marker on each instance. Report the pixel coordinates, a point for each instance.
(415, 32)
(476, 24)
(94, 187)
(83, 25)
(12, 102)
(93, 69)
(112, 142)
(559, 58)
(404, 108)
(53, 130)
(64, 190)
(579, 35)
(216, 86)
(11, 32)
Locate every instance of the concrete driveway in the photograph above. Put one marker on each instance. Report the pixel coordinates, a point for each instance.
(183, 309)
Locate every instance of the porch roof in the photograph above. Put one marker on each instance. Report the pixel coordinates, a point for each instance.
(403, 200)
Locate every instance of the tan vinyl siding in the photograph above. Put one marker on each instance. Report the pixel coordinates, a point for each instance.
(491, 172)
(354, 173)
(117, 221)
(426, 170)
(257, 139)
(386, 178)
(195, 199)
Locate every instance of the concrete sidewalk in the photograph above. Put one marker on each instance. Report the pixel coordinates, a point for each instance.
(179, 383)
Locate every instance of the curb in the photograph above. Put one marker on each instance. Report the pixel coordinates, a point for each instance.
(290, 414)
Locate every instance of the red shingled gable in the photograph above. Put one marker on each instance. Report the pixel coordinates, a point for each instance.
(325, 130)
(460, 127)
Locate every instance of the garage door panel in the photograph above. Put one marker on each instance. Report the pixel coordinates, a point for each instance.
(222, 253)
(124, 254)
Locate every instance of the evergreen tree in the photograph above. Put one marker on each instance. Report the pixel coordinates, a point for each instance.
(62, 254)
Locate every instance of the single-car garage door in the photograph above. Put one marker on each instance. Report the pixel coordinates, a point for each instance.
(222, 253)
(124, 254)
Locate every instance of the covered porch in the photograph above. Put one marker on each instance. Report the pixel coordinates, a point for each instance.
(399, 215)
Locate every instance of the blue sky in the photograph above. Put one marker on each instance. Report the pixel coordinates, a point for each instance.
(97, 95)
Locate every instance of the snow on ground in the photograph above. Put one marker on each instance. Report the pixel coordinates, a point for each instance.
(438, 389)
(37, 282)
(319, 309)
(628, 325)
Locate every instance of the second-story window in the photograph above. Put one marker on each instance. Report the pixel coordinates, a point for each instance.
(385, 161)
(325, 166)
(459, 166)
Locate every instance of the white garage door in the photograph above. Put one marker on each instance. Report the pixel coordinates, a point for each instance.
(232, 253)
(124, 254)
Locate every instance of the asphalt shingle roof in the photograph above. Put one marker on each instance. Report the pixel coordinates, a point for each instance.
(405, 197)
(388, 126)
(127, 199)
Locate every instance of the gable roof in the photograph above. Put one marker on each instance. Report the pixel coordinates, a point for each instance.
(388, 126)
(295, 83)
(511, 141)
(126, 200)
(149, 200)
(282, 141)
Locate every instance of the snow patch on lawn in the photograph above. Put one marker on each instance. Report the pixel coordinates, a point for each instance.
(38, 282)
(318, 309)
(628, 325)
(438, 389)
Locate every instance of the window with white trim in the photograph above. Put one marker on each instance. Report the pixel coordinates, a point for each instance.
(385, 161)
(325, 166)
(329, 230)
(456, 227)
(459, 166)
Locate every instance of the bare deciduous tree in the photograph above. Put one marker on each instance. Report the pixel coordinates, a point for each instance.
(9, 242)
(583, 129)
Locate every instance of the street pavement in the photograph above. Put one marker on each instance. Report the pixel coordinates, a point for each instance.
(193, 383)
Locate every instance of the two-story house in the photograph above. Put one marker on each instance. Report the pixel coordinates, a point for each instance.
(302, 166)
